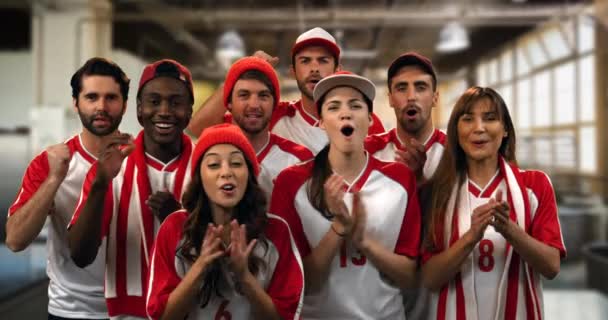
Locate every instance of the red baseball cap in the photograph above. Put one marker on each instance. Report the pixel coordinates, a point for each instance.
(316, 37)
(412, 59)
(166, 68)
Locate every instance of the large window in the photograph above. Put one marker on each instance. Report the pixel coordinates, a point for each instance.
(547, 79)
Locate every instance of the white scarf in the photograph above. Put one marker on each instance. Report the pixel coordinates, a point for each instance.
(457, 299)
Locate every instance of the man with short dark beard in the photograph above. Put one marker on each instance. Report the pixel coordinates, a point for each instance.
(51, 186)
(412, 93)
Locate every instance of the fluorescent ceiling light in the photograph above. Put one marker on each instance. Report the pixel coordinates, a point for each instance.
(453, 37)
(230, 47)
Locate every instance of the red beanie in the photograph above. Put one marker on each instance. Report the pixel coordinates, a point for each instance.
(224, 133)
(251, 63)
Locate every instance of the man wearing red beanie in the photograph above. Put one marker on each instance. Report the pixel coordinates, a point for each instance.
(314, 56)
(251, 94)
(122, 203)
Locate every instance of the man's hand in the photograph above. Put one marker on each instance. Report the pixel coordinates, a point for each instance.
(162, 203)
(115, 151)
(413, 157)
(274, 61)
(59, 157)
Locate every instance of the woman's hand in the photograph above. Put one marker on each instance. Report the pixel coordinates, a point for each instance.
(239, 250)
(211, 248)
(501, 221)
(334, 198)
(359, 236)
(480, 219)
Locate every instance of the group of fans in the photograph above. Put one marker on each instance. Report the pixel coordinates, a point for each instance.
(288, 210)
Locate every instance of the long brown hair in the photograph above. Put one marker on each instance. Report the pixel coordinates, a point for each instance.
(250, 211)
(452, 167)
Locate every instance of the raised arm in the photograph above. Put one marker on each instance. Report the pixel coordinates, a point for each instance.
(318, 263)
(443, 267)
(84, 235)
(399, 268)
(38, 191)
(211, 112)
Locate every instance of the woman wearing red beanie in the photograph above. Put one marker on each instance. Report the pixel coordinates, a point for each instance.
(355, 219)
(224, 257)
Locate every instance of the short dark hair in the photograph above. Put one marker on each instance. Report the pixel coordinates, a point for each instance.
(254, 74)
(101, 67)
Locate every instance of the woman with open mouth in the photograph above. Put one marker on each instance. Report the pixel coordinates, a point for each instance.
(355, 219)
(494, 229)
(223, 256)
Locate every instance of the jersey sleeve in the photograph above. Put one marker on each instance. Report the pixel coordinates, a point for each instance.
(545, 225)
(408, 242)
(108, 207)
(286, 288)
(376, 127)
(35, 174)
(163, 276)
(282, 205)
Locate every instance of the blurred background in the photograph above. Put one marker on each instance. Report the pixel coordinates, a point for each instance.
(547, 58)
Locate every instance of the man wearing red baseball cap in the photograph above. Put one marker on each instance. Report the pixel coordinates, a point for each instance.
(412, 93)
(122, 203)
(314, 56)
(251, 94)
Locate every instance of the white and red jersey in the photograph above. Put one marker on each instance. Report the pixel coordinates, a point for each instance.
(383, 146)
(282, 279)
(355, 289)
(278, 154)
(292, 122)
(73, 292)
(490, 255)
(129, 227)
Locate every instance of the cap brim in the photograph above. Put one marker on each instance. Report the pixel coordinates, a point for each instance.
(409, 60)
(332, 47)
(345, 80)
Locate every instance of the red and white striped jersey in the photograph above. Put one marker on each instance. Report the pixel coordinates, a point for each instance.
(292, 122)
(278, 154)
(355, 289)
(383, 146)
(73, 292)
(489, 254)
(282, 279)
(129, 228)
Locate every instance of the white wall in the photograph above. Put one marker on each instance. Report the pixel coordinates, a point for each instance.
(15, 88)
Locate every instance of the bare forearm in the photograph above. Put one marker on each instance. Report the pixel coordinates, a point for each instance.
(400, 269)
(318, 262)
(25, 224)
(543, 258)
(261, 304)
(443, 267)
(85, 235)
(210, 113)
(184, 295)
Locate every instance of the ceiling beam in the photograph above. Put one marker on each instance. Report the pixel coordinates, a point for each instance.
(355, 17)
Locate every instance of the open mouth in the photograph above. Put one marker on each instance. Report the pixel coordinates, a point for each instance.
(228, 187)
(347, 130)
(411, 112)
